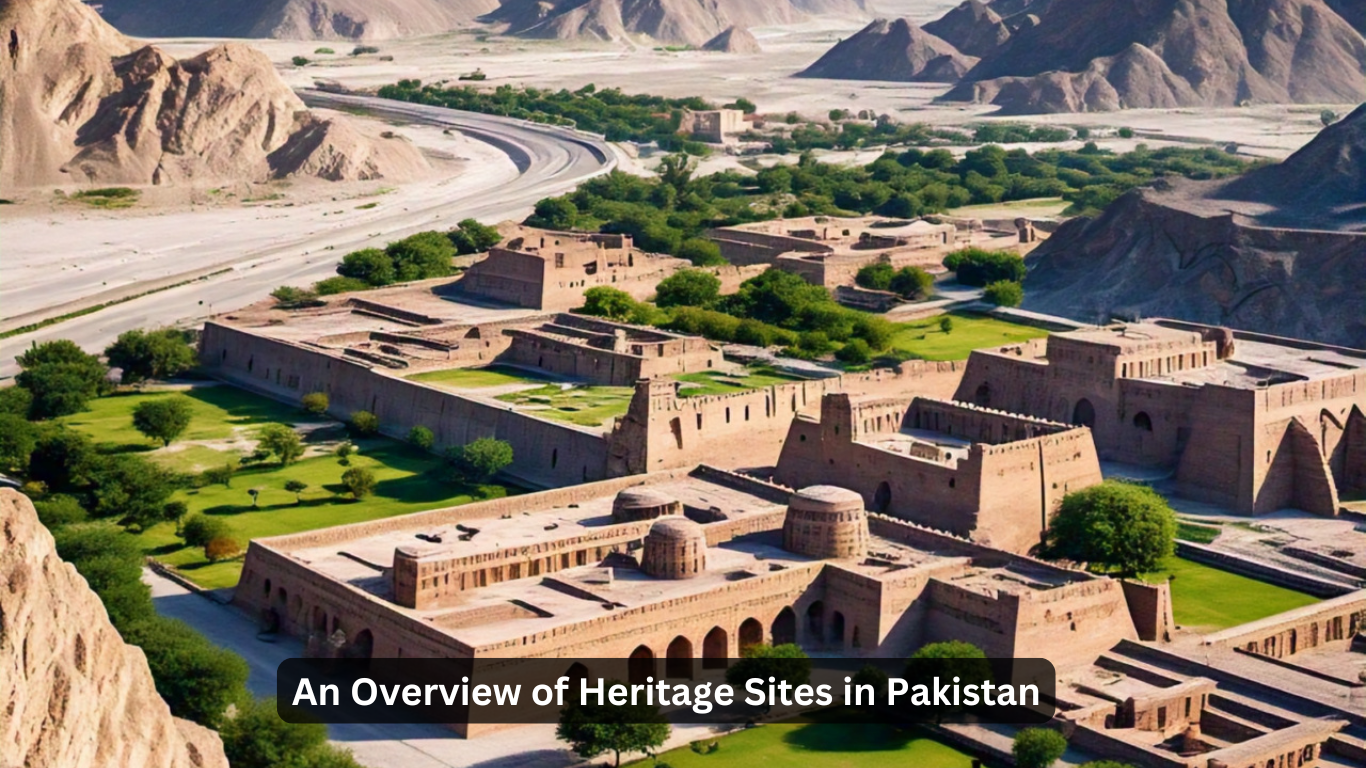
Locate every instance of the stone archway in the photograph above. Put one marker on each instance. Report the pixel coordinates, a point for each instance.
(751, 633)
(784, 629)
(815, 622)
(837, 629)
(575, 673)
(678, 658)
(1143, 421)
(640, 665)
(1084, 413)
(715, 648)
(882, 497)
(363, 647)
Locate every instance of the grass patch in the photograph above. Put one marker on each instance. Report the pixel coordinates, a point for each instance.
(924, 339)
(108, 197)
(720, 383)
(1208, 599)
(585, 406)
(1200, 534)
(822, 740)
(478, 378)
(366, 206)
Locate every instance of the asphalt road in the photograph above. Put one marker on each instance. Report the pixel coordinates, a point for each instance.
(548, 161)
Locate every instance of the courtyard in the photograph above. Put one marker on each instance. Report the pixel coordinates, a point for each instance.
(925, 339)
(1205, 599)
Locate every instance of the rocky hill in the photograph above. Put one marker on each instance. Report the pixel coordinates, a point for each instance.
(973, 28)
(733, 40)
(1094, 55)
(1280, 250)
(80, 103)
(894, 50)
(293, 19)
(677, 22)
(74, 695)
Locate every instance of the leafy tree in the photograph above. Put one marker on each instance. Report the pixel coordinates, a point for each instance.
(282, 441)
(701, 252)
(62, 459)
(58, 510)
(163, 418)
(911, 283)
(364, 423)
(595, 729)
(470, 236)
(16, 401)
(343, 452)
(814, 343)
(289, 297)
(555, 213)
(688, 287)
(198, 530)
(422, 256)
(299, 61)
(1122, 526)
(334, 285)
(784, 662)
(421, 437)
(143, 355)
(1126, 133)
(978, 267)
(856, 352)
(296, 487)
(744, 105)
(219, 475)
(608, 302)
(222, 548)
(946, 324)
(111, 562)
(874, 676)
(316, 403)
(371, 265)
(946, 660)
(359, 481)
(18, 438)
(257, 737)
(61, 378)
(876, 276)
(132, 488)
(1005, 293)
(174, 511)
(676, 170)
(197, 679)
(479, 461)
(1037, 747)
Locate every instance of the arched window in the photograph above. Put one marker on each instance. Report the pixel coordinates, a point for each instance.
(1084, 413)
(1143, 421)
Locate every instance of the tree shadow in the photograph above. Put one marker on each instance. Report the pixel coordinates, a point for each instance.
(843, 732)
(166, 549)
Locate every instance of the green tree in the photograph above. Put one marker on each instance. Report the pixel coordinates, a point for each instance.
(157, 355)
(876, 276)
(555, 213)
(422, 256)
(316, 403)
(16, 401)
(874, 676)
(299, 61)
(608, 302)
(479, 461)
(784, 662)
(595, 729)
(343, 452)
(163, 418)
(359, 481)
(946, 660)
(676, 170)
(282, 441)
(855, 352)
(61, 378)
(197, 679)
(421, 437)
(18, 438)
(58, 510)
(371, 265)
(62, 460)
(1037, 747)
(978, 267)
(111, 562)
(289, 297)
(334, 285)
(132, 488)
(911, 283)
(701, 252)
(744, 105)
(1125, 527)
(219, 475)
(296, 487)
(470, 236)
(198, 530)
(688, 288)
(257, 737)
(1005, 293)
(364, 423)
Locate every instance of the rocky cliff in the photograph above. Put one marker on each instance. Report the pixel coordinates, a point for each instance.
(79, 103)
(973, 28)
(1280, 250)
(74, 695)
(894, 50)
(293, 19)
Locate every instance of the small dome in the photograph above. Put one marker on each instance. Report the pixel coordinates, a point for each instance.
(832, 496)
(678, 527)
(636, 504)
(408, 551)
(825, 521)
(675, 548)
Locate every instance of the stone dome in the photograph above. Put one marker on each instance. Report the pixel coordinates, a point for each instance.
(824, 521)
(636, 504)
(675, 548)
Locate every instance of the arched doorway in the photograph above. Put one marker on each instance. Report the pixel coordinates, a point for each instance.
(319, 622)
(363, 646)
(751, 633)
(837, 629)
(640, 666)
(678, 658)
(784, 628)
(1084, 413)
(815, 622)
(1143, 421)
(714, 649)
(882, 497)
(576, 673)
(982, 396)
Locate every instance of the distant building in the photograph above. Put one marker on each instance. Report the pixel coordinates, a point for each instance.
(714, 125)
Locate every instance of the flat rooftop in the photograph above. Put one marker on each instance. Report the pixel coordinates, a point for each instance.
(1260, 363)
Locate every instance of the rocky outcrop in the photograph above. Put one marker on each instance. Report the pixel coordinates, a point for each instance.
(78, 106)
(1280, 250)
(733, 40)
(973, 28)
(293, 19)
(73, 693)
(1096, 55)
(894, 50)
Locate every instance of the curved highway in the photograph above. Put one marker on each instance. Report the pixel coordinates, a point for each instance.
(546, 160)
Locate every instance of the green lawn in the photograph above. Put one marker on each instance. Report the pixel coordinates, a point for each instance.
(477, 378)
(802, 743)
(719, 383)
(923, 339)
(585, 406)
(409, 480)
(1207, 599)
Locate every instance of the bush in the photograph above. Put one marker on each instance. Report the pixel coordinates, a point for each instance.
(256, 737)
(163, 418)
(978, 267)
(289, 297)
(362, 49)
(58, 510)
(554, 213)
(480, 460)
(1122, 526)
(18, 438)
(323, 51)
(1038, 747)
(855, 352)
(946, 324)
(364, 423)
(16, 401)
(701, 252)
(132, 488)
(197, 679)
(316, 403)
(143, 355)
(222, 548)
(876, 276)
(334, 285)
(1005, 293)
(421, 437)
(61, 378)
(470, 236)
(359, 481)
(424, 255)
(296, 487)
(370, 265)
(219, 475)
(688, 288)
(299, 61)
(198, 530)
(911, 283)
(608, 302)
(283, 442)
(111, 562)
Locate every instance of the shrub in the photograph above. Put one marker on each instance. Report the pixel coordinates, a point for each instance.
(978, 267)
(369, 265)
(814, 343)
(911, 283)
(197, 679)
(58, 510)
(1005, 293)
(480, 460)
(323, 51)
(362, 49)
(701, 252)
(283, 442)
(18, 438)
(421, 437)
(689, 288)
(257, 737)
(163, 418)
(364, 423)
(1123, 526)
(334, 285)
(219, 475)
(316, 403)
(111, 562)
(198, 530)
(470, 236)
(131, 487)
(359, 481)
(856, 352)
(876, 276)
(61, 378)
(289, 297)
(143, 355)
(299, 61)
(296, 487)
(423, 255)
(946, 324)
(174, 511)
(222, 548)
(1126, 133)
(343, 452)
(608, 302)
(1038, 747)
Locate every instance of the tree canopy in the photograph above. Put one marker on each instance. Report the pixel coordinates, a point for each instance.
(163, 418)
(143, 355)
(1126, 527)
(688, 287)
(479, 461)
(61, 378)
(1037, 747)
(594, 729)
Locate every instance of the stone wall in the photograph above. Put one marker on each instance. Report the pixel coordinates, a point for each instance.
(1150, 605)
(1331, 623)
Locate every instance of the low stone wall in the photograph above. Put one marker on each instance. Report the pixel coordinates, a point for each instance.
(1261, 571)
(1327, 561)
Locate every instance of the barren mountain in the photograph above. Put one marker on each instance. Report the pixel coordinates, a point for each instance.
(77, 103)
(733, 40)
(895, 50)
(1095, 55)
(973, 28)
(74, 695)
(293, 19)
(1281, 249)
(680, 22)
